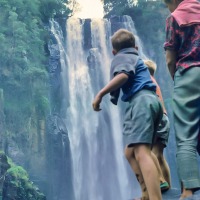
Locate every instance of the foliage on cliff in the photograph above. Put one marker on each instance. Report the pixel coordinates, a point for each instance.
(15, 183)
(24, 58)
(24, 80)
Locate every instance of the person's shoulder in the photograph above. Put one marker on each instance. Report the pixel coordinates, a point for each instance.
(169, 16)
(171, 20)
(119, 58)
(116, 61)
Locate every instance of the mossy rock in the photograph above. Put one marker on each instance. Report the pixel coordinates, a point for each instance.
(16, 184)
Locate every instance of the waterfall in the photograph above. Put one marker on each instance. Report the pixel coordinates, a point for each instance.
(99, 168)
(85, 148)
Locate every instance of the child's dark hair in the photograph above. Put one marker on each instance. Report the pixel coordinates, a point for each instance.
(122, 39)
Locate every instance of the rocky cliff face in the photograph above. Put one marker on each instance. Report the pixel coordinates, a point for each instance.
(40, 144)
(2, 119)
(58, 157)
(4, 166)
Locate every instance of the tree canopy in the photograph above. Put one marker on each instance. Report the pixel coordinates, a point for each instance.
(23, 60)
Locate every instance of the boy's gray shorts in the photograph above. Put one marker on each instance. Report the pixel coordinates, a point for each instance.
(142, 117)
(163, 130)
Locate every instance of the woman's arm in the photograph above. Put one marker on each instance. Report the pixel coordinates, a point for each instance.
(114, 84)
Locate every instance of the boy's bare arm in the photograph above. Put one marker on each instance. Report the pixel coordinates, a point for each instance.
(113, 85)
(171, 57)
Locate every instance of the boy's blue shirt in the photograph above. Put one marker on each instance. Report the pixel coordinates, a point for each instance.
(128, 61)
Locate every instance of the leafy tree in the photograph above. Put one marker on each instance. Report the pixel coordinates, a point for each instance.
(23, 59)
(60, 8)
(115, 7)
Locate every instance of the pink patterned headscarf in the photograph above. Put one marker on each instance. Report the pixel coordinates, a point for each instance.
(187, 13)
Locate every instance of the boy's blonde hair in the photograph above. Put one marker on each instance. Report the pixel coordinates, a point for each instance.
(122, 39)
(151, 66)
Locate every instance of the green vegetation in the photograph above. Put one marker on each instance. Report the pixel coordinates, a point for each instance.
(16, 183)
(23, 59)
(18, 172)
(24, 85)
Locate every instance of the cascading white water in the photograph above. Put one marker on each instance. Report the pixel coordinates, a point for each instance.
(80, 122)
(129, 25)
(100, 170)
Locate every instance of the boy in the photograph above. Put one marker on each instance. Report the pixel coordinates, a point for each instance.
(182, 48)
(143, 112)
(162, 134)
(159, 143)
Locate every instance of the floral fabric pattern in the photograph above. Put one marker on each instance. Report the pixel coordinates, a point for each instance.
(185, 41)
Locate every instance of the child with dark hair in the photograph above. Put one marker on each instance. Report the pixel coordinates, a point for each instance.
(144, 110)
(182, 47)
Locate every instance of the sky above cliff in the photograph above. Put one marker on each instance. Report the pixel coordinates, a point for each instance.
(90, 9)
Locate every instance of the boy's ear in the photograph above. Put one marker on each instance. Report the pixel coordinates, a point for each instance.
(114, 52)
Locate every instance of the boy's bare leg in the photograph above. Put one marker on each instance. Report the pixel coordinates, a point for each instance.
(149, 170)
(158, 151)
(129, 153)
(142, 153)
(162, 180)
